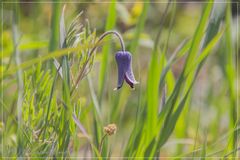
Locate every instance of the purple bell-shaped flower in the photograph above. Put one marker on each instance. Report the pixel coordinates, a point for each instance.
(124, 63)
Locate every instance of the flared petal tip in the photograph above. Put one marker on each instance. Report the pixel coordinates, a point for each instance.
(117, 88)
(131, 84)
(136, 82)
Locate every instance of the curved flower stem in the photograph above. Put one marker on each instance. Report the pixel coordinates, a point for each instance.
(115, 33)
(79, 77)
(104, 35)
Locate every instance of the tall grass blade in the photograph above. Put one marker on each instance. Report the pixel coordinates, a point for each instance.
(53, 44)
(229, 71)
(171, 117)
(110, 24)
(139, 27)
(20, 85)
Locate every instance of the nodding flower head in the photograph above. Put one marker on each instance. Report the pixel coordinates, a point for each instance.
(124, 63)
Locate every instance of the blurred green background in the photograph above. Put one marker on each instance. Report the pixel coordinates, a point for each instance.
(208, 123)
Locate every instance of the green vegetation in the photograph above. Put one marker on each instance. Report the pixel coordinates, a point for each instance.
(58, 74)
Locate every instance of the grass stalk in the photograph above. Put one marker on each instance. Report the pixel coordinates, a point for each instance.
(20, 146)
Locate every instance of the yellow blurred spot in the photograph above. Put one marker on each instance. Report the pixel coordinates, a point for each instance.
(7, 40)
(1, 69)
(137, 9)
(1, 126)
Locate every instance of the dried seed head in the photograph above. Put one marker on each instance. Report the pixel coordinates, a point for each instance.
(110, 129)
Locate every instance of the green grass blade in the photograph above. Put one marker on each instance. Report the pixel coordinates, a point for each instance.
(139, 27)
(229, 71)
(168, 111)
(20, 85)
(153, 81)
(110, 24)
(54, 44)
(25, 47)
(54, 54)
(67, 124)
(206, 51)
(94, 98)
(198, 35)
(152, 95)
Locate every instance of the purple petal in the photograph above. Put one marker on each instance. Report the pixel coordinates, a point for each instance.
(129, 82)
(123, 61)
(129, 76)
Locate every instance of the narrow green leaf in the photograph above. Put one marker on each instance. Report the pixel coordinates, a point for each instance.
(139, 27)
(110, 24)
